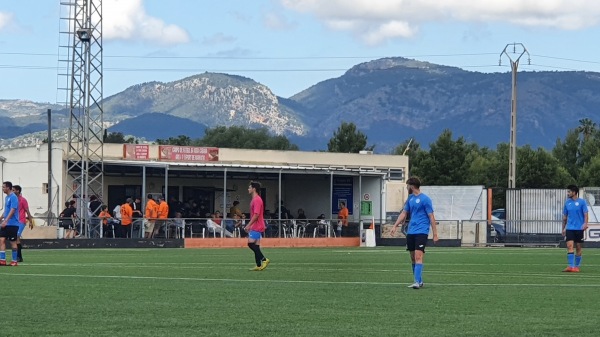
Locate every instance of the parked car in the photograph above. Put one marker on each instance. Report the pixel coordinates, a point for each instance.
(499, 213)
(497, 231)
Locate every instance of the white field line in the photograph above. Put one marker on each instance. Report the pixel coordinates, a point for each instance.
(400, 264)
(403, 271)
(194, 279)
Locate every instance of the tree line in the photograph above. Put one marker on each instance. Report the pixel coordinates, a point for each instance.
(448, 161)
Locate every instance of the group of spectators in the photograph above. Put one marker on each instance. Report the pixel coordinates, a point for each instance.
(159, 215)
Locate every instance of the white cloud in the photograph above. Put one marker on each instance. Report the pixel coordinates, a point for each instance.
(128, 20)
(5, 19)
(375, 21)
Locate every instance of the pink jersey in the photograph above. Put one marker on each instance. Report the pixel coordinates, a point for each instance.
(23, 205)
(257, 207)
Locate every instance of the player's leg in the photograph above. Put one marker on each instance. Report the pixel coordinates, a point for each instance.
(410, 246)
(13, 237)
(570, 239)
(578, 250)
(3, 247)
(264, 261)
(420, 243)
(19, 246)
(253, 238)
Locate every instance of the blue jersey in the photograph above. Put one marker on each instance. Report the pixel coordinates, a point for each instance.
(419, 207)
(575, 211)
(11, 202)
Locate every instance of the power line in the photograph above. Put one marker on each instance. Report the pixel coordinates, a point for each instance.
(567, 59)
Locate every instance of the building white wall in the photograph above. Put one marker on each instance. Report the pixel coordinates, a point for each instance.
(28, 167)
(115, 151)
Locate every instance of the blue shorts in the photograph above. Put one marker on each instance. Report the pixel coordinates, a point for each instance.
(254, 235)
(21, 228)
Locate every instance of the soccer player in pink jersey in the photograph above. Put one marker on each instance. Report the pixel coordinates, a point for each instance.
(256, 226)
(24, 217)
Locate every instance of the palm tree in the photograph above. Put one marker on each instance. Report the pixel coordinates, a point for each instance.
(586, 127)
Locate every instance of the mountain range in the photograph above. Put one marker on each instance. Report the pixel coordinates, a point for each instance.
(389, 99)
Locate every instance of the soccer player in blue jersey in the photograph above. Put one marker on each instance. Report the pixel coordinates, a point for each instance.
(575, 222)
(9, 225)
(420, 208)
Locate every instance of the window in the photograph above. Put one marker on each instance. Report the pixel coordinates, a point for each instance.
(396, 174)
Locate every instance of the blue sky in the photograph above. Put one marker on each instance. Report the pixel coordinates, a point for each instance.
(290, 45)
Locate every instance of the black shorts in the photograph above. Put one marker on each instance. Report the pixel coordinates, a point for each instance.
(66, 224)
(574, 235)
(10, 232)
(416, 242)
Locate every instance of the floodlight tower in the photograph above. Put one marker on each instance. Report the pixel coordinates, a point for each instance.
(518, 50)
(80, 52)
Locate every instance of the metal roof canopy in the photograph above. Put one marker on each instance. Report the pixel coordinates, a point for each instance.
(238, 167)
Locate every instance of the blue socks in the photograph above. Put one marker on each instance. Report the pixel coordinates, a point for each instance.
(577, 260)
(418, 272)
(15, 254)
(2, 255)
(570, 259)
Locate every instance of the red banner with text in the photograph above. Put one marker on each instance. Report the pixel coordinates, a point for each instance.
(136, 151)
(188, 153)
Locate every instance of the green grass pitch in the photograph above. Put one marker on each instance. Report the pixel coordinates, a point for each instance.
(304, 292)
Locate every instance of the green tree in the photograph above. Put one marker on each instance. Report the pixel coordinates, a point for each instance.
(539, 169)
(589, 173)
(181, 140)
(481, 168)
(410, 148)
(238, 137)
(567, 152)
(589, 149)
(445, 164)
(116, 138)
(586, 127)
(347, 139)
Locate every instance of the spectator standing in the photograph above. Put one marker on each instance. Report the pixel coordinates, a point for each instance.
(105, 217)
(126, 219)
(151, 215)
(235, 209)
(343, 218)
(163, 216)
(67, 219)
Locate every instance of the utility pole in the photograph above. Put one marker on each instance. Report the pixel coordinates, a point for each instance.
(518, 50)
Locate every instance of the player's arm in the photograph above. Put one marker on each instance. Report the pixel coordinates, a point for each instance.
(29, 218)
(564, 225)
(8, 217)
(433, 227)
(585, 220)
(399, 221)
(251, 222)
